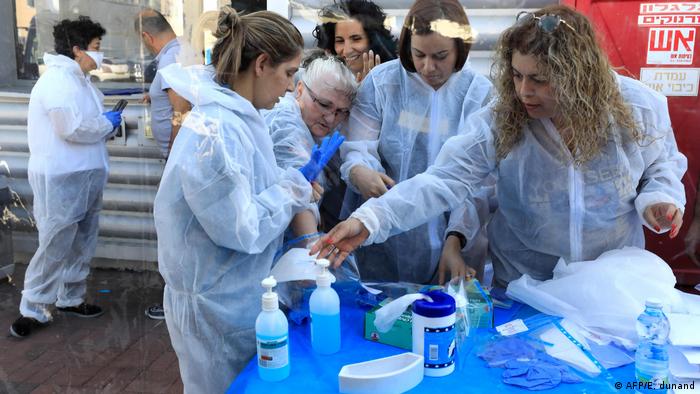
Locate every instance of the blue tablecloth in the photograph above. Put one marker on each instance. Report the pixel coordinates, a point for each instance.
(311, 372)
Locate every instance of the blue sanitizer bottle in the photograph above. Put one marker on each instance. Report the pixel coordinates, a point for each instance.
(272, 336)
(651, 358)
(324, 306)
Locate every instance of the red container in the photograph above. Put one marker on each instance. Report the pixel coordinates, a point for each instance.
(657, 43)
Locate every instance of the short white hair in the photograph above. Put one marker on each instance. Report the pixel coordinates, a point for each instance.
(330, 72)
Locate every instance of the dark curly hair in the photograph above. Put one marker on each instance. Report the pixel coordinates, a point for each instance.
(370, 15)
(68, 33)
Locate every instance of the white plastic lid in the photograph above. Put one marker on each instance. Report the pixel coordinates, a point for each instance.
(324, 278)
(270, 301)
(654, 303)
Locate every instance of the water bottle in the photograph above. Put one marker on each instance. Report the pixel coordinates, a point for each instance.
(324, 306)
(272, 336)
(651, 358)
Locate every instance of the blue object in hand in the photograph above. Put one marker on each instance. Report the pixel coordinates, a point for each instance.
(115, 117)
(321, 156)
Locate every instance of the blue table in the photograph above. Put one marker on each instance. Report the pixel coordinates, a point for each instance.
(315, 373)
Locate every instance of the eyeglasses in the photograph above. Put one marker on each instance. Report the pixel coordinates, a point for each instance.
(548, 23)
(326, 107)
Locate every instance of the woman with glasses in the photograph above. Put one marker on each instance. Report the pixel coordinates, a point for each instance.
(320, 102)
(583, 157)
(404, 112)
(223, 203)
(355, 31)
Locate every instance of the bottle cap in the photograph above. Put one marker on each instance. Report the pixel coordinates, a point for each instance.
(324, 278)
(443, 305)
(269, 298)
(654, 303)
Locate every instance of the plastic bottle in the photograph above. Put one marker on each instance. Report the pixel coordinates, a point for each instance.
(272, 336)
(433, 333)
(324, 306)
(651, 358)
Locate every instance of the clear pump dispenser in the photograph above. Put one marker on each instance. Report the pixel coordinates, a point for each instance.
(324, 306)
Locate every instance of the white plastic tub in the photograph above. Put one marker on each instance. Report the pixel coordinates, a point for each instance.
(395, 374)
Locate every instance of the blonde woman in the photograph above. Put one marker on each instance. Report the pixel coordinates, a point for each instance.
(223, 204)
(583, 158)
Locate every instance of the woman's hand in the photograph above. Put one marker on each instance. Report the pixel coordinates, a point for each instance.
(451, 259)
(345, 237)
(370, 183)
(317, 191)
(369, 61)
(662, 216)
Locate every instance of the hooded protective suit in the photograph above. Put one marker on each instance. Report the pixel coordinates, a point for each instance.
(293, 142)
(220, 214)
(68, 166)
(397, 126)
(548, 208)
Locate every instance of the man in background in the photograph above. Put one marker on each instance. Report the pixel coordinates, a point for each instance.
(167, 108)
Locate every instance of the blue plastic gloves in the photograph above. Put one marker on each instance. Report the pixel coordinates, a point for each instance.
(527, 367)
(115, 117)
(321, 156)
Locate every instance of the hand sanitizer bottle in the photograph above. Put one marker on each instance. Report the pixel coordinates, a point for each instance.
(324, 306)
(272, 336)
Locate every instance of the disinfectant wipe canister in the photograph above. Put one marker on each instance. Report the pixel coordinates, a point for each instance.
(434, 332)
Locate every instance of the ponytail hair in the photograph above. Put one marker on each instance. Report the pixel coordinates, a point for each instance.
(242, 38)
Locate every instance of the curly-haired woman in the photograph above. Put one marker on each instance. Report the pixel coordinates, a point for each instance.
(355, 31)
(583, 157)
(68, 168)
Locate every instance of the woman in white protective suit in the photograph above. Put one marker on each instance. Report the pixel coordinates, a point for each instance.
(223, 204)
(319, 104)
(583, 157)
(68, 164)
(404, 112)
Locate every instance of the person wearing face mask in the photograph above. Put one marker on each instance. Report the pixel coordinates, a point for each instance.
(404, 112)
(68, 164)
(223, 204)
(319, 104)
(354, 30)
(576, 175)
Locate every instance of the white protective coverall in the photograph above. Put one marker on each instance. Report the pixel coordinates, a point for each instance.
(397, 125)
(68, 166)
(547, 209)
(220, 213)
(293, 143)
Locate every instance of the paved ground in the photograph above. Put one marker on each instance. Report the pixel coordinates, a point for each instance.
(121, 351)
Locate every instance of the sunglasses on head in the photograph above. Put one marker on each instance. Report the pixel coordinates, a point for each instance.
(548, 23)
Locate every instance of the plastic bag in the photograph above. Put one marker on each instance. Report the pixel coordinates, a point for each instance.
(457, 289)
(603, 296)
(295, 272)
(543, 351)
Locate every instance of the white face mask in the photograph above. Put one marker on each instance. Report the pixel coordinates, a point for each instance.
(97, 57)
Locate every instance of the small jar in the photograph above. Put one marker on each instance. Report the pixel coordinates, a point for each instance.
(434, 333)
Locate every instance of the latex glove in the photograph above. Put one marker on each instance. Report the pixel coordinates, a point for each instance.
(663, 215)
(370, 183)
(345, 237)
(321, 156)
(451, 260)
(115, 117)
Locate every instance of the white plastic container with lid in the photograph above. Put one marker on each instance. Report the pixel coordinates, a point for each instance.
(324, 306)
(433, 333)
(272, 336)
